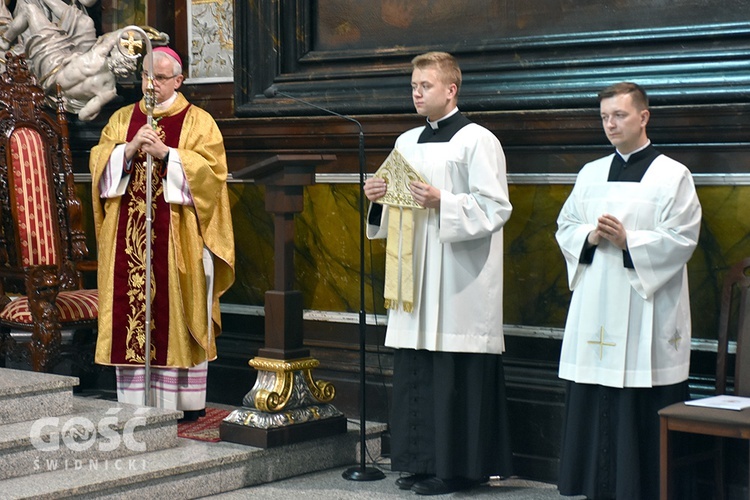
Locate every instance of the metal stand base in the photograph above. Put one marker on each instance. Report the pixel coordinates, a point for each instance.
(363, 474)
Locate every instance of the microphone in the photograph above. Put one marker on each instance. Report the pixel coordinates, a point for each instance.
(273, 91)
(361, 472)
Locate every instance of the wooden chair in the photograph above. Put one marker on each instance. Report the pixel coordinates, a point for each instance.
(42, 244)
(734, 316)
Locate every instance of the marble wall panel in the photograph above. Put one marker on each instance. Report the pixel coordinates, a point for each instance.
(535, 276)
(536, 292)
(327, 249)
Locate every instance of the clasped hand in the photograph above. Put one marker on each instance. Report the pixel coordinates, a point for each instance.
(148, 141)
(608, 227)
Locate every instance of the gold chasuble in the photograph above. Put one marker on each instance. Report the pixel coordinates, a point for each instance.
(179, 324)
(399, 269)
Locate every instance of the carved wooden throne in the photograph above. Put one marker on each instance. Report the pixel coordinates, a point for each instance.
(42, 245)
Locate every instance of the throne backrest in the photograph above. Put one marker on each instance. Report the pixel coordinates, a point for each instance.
(32, 201)
(40, 214)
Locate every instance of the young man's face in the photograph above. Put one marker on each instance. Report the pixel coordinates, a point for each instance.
(432, 97)
(624, 123)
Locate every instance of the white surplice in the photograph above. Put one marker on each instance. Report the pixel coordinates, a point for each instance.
(458, 248)
(630, 327)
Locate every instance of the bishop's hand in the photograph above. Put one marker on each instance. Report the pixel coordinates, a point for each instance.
(148, 141)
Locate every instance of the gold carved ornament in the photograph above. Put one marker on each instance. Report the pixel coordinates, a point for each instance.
(276, 400)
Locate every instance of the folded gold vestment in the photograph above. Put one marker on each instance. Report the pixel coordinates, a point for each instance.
(399, 273)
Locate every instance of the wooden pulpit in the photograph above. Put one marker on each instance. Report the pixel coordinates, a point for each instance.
(286, 405)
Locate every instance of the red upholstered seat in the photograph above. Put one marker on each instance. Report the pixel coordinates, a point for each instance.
(75, 308)
(43, 250)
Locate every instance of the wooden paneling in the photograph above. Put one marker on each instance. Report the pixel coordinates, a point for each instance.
(708, 138)
(543, 55)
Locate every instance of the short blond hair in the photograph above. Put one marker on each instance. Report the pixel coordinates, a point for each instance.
(445, 63)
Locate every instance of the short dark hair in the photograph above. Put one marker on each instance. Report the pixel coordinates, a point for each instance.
(637, 93)
(445, 62)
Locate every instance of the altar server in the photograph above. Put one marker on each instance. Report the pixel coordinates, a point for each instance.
(444, 291)
(627, 231)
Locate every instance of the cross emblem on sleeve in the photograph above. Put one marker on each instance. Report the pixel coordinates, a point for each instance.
(601, 343)
(675, 340)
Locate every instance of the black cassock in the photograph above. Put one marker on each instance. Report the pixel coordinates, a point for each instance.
(449, 415)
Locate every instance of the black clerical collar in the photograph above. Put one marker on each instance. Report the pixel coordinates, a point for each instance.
(635, 168)
(627, 156)
(446, 129)
(436, 124)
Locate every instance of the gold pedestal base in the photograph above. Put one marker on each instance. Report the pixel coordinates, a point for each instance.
(286, 405)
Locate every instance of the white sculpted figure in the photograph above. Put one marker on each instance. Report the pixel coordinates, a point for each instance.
(85, 66)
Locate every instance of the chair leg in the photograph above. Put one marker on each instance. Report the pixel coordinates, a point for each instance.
(664, 460)
(719, 468)
(42, 285)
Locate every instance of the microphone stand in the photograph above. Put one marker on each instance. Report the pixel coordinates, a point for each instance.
(361, 472)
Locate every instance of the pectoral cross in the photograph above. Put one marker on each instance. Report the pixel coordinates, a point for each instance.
(601, 343)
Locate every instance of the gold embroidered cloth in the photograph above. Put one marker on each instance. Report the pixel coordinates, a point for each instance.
(399, 267)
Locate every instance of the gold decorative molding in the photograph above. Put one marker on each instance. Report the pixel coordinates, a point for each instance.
(281, 387)
(283, 365)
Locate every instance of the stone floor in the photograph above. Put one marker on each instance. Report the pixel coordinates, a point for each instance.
(330, 484)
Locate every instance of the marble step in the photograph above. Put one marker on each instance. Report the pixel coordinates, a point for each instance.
(26, 395)
(192, 469)
(91, 431)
